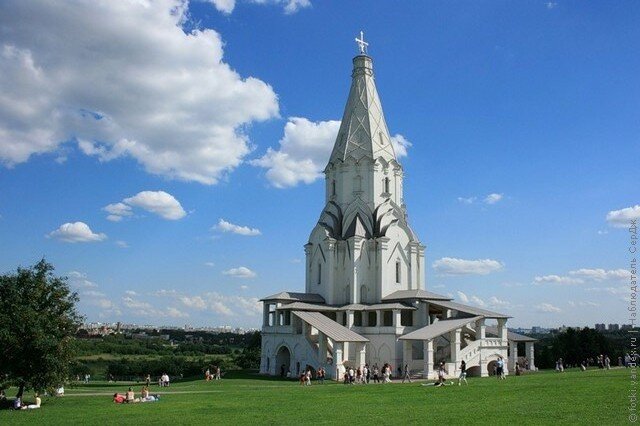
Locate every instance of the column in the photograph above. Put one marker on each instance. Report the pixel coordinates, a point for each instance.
(365, 318)
(428, 359)
(361, 354)
(322, 348)
(349, 319)
(480, 329)
(265, 314)
(502, 330)
(338, 360)
(396, 318)
(378, 318)
(447, 313)
(529, 350)
(407, 354)
(339, 317)
(513, 354)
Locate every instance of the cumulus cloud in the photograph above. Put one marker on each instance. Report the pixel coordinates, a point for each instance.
(158, 202)
(583, 304)
(622, 218)
(303, 153)
(76, 232)
(117, 211)
(225, 226)
(122, 78)
(453, 266)
(240, 272)
(547, 308)
(79, 280)
(196, 302)
(224, 6)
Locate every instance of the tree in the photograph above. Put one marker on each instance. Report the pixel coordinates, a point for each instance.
(38, 319)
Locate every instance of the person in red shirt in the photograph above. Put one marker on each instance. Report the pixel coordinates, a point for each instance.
(118, 399)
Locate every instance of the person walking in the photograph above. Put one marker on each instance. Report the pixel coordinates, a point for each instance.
(407, 374)
(463, 373)
(376, 373)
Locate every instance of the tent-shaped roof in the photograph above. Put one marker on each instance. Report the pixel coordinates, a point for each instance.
(295, 297)
(472, 310)
(515, 337)
(329, 327)
(302, 306)
(437, 329)
(414, 294)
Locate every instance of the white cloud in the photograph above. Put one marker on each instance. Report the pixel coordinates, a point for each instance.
(583, 304)
(224, 6)
(453, 266)
(117, 211)
(209, 264)
(469, 200)
(602, 274)
(477, 301)
(130, 293)
(76, 232)
(122, 244)
(225, 226)
(240, 272)
(463, 297)
(79, 280)
(195, 302)
(175, 313)
(551, 5)
(494, 301)
(158, 202)
(93, 293)
(304, 152)
(622, 218)
(547, 308)
(609, 290)
(400, 145)
(557, 279)
(124, 79)
(493, 198)
(289, 6)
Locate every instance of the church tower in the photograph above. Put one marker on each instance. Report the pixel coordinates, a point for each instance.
(362, 248)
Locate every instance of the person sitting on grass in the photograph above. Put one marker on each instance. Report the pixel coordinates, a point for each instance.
(146, 397)
(130, 396)
(33, 406)
(118, 399)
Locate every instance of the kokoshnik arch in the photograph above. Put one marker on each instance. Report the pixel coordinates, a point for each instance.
(365, 299)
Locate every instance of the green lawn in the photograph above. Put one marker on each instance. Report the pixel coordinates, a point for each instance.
(573, 397)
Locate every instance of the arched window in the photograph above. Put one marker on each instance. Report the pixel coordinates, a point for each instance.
(398, 272)
(381, 138)
(319, 273)
(386, 185)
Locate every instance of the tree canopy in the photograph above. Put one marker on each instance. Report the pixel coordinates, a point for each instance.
(38, 319)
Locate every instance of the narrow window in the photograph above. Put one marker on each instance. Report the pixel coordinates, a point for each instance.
(398, 270)
(386, 185)
(319, 273)
(381, 138)
(333, 187)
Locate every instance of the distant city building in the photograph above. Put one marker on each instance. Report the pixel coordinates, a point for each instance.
(601, 327)
(614, 327)
(625, 327)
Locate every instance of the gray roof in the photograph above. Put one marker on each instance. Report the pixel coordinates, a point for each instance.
(295, 297)
(375, 307)
(302, 306)
(470, 309)
(515, 337)
(414, 294)
(437, 329)
(332, 329)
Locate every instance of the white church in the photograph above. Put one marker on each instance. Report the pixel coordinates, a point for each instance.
(365, 300)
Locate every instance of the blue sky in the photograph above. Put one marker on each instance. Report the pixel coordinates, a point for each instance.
(182, 143)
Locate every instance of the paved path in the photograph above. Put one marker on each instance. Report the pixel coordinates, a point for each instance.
(154, 393)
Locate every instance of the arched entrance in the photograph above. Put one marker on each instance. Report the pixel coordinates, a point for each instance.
(283, 361)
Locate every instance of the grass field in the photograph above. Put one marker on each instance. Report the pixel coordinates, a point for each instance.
(573, 397)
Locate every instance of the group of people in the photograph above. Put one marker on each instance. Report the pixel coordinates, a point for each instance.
(19, 404)
(163, 380)
(130, 398)
(212, 373)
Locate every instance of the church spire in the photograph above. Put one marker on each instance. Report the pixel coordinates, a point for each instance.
(363, 132)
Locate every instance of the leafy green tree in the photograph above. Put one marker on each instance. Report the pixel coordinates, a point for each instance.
(38, 319)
